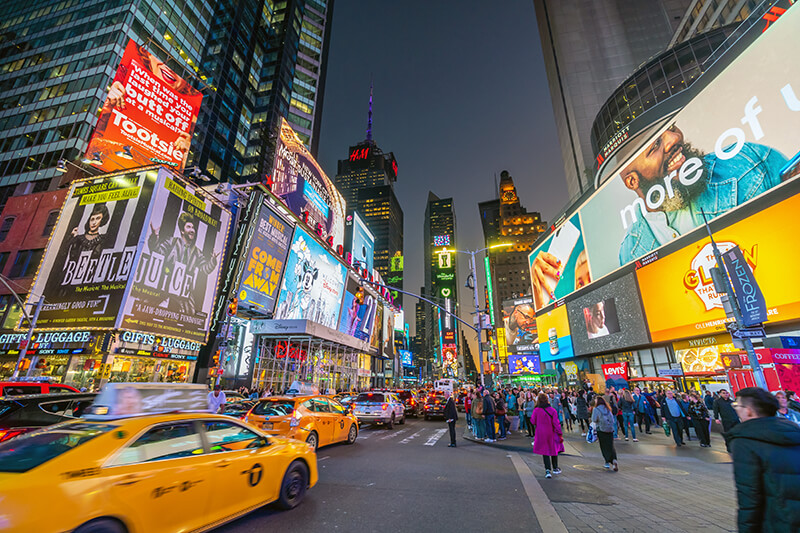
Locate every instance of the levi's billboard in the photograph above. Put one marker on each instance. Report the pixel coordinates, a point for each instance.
(677, 291)
(147, 117)
(616, 375)
(729, 145)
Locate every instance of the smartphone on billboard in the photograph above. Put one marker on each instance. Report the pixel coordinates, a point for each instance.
(564, 241)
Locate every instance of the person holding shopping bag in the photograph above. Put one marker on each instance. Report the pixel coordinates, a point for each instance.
(548, 440)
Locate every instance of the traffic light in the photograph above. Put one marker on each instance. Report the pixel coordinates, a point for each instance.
(233, 306)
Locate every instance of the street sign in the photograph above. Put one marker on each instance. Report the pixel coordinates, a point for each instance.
(731, 360)
(748, 333)
(670, 372)
(746, 289)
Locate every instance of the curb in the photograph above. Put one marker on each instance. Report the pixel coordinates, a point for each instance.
(499, 445)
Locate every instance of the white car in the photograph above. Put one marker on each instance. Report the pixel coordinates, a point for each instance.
(379, 407)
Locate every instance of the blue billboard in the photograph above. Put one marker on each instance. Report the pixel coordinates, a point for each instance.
(406, 358)
(524, 364)
(363, 245)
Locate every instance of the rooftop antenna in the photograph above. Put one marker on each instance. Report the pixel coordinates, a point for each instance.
(496, 185)
(369, 115)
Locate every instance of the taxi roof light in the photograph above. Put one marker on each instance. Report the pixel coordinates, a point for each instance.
(123, 400)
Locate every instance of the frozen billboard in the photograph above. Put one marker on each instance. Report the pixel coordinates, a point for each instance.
(304, 186)
(147, 117)
(179, 267)
(90, 255)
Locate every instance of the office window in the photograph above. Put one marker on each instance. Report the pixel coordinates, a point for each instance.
(25, 263)
(5, 227)
(50, 223)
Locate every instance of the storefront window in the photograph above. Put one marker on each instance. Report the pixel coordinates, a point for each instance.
(7, 365)
(82, 371)
(52, 366)
(132, 369)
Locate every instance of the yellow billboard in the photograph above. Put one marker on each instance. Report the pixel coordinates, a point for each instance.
(679, 296)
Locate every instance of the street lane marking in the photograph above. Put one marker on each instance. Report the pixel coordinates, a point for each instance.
(411, 437)
(436, 436)
(393, 434)
(545, 512)
(323, 458)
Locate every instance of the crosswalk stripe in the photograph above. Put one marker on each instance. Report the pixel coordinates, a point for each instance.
(411, 437)
(393, 434)
(435, 437)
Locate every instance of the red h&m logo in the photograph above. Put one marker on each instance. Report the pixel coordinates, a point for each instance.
(359, 153)
(772, 15)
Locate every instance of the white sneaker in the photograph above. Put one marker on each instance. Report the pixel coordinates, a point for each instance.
(547, 474)
(557, 471)
(583, 434)
(487, 440)
(607, 465)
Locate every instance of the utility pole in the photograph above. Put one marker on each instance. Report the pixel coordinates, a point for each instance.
(732, 307)
(472, 270)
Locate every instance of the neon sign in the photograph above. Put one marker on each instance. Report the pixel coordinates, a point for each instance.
(441, 240)
(359, 154)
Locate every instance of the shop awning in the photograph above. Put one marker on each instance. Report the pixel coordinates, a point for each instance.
(295, 328)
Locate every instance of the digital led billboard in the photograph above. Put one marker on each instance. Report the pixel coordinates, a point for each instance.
(313, 283)
(363, 244)
(147, 117)
(301, 182)
(608, 318)
(519, 326)
(555, 341)
(679, 296)
(729, 145)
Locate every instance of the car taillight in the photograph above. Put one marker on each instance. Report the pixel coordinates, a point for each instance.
(295, 420)
(385, 406)
(7, 434)
(412, 402)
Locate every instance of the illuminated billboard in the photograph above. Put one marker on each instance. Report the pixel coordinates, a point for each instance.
(555, 341)
(524, 364)
(363, 243)
(679, 296)
(730, 144)
(558, 266)
(179, 266)
(608, 318)
(90, 256)
(358, 311)
(313, 283)
(270, 236)
(301, 182)
(147, 117)
(519, 326)
(406, 358)
(441, 240)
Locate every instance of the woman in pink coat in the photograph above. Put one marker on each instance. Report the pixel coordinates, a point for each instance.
(548, 441)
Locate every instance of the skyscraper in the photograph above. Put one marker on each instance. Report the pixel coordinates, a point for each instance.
(366, 180)
(441, 274)
(589, 48)
(513, 225)
(254, 60)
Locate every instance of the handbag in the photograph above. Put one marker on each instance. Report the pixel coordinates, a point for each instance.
(665, 425)
(591, 435)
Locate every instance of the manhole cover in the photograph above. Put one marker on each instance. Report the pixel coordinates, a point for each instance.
(585, 467)
(666, 471)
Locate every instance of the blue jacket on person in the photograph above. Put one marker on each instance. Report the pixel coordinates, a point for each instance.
(730, 183)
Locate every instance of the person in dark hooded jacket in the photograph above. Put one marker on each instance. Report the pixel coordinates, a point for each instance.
(766, 465)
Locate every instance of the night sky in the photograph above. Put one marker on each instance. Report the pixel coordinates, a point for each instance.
(460, 95)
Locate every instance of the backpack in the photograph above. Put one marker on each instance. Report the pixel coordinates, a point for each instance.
(479, 407)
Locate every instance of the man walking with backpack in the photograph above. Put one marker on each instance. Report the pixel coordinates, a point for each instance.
(488, 416)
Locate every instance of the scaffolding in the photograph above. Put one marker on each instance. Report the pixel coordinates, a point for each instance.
(280, 360)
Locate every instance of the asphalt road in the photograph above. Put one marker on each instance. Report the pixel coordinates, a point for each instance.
(406, 479)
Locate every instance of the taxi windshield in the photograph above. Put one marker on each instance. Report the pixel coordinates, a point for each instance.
(274, 408)
(27, 452)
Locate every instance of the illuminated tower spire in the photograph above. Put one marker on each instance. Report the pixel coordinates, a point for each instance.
(369, 115)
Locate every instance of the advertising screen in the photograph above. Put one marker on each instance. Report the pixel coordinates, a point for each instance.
(703, 355)
(555, 341)
(524, 364)
(147, 117)
(90, 256)
(377, 326)
(729, 145)
(558, 266)
(300, 181)
(406, 358)
(519, 321)
(179, 267)
(608, 318)
(616, 375)
(679, 296)
(358, 311)
(363, 245)
(270, 236)
(313, 283)
(388, 332)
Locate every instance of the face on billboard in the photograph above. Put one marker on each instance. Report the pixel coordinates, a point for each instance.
(313, 283)
(263, 265)
(148, 116)
(559, 266)
(178, 270)
(677, 291)
(90, 256)
(555, 341)
(728, 145)
(300, 181)
(519, 321)
(601, 318)
(363, 243)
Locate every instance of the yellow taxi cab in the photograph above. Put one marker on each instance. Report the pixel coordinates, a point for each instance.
(118, 470)
(315, 419)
